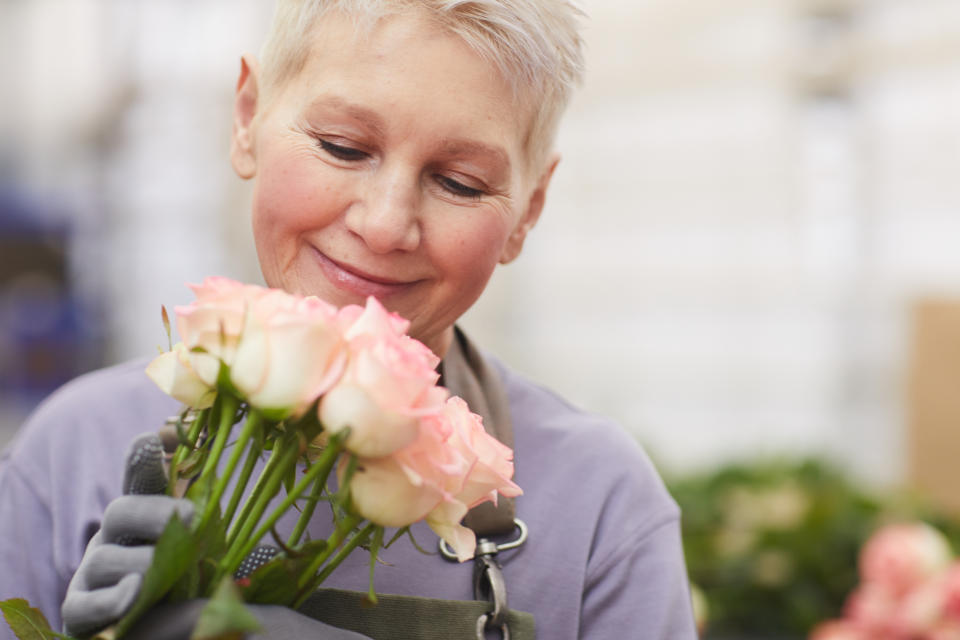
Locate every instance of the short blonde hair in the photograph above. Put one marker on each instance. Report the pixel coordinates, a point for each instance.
(535, 44)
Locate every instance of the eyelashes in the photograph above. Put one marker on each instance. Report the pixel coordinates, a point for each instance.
(346, 153)
(458, 188)
(342, 152)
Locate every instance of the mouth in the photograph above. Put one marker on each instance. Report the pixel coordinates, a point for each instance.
(353, 280)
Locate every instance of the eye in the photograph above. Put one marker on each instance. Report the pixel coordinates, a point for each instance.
(458, 188)
(341, 152)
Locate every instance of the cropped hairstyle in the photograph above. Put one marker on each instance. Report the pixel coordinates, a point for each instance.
(535, 44)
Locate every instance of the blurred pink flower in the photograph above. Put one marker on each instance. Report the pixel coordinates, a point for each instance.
(901, 556)
(946, 630)
(950, 583)
(871, 607)
(840, 630)
(920, 610)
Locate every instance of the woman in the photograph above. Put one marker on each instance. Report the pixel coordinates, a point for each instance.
(400, 149)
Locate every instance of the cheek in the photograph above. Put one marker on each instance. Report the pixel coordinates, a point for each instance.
(291, 197)
(471, 252)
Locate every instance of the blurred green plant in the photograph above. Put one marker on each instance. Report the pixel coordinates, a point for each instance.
(774, 544)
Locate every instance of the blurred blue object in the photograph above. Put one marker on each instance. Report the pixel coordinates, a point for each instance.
(43, 342)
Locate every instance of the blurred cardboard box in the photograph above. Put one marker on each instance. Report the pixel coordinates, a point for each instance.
(934, 401)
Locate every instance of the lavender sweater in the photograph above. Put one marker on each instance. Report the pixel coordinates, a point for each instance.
(603, 560)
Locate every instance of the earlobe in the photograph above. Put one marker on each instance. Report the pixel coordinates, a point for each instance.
(242, 152)
(532, 214)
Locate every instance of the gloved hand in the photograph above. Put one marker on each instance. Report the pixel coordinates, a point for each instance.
(110, 574)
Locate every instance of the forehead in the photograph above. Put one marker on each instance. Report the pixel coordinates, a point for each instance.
(407, 64)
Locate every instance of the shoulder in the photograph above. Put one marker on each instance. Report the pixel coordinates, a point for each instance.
(588, 457)
(87, 424)
(65, 463)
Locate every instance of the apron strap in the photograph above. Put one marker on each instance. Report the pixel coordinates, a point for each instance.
(466, 373)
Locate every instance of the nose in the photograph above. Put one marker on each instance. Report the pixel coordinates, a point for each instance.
(386, 215)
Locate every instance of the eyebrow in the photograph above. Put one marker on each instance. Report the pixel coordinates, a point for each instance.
(475, 148)
(356, 111)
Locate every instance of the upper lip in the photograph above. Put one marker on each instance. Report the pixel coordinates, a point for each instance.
(360, 273)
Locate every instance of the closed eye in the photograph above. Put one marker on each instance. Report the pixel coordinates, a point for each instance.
(342, 152)
(458, 188)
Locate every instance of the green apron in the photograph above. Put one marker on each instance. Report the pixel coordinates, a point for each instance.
(409, 617)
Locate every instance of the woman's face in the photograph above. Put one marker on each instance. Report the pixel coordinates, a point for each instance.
(392, 165)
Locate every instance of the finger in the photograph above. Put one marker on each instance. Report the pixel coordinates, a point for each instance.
(169, 436)
(86, 611)
(108, 564)
(142, 518)
(144, 473)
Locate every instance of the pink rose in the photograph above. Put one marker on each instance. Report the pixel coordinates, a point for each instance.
(402, 488)
(173, 373)
(388, 385)
(282, 351)
(901, 556)
(452, 466)
(214, 321)
(490, 473)
(291, 351)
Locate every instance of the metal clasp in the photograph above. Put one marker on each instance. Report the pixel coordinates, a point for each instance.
(485, 546)
(488, 581)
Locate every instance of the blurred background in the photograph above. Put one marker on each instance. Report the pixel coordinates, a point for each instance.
(751, 250)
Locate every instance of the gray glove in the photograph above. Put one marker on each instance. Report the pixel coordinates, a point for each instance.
(110, 574)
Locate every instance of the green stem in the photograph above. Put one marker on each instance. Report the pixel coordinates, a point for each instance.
(183, 450)
(318, 486)
(253, 455)
(319, 471)
(246, 434)
(254, 496)
(243, 543)
(228, 410)
(345, 550)
(308, 578)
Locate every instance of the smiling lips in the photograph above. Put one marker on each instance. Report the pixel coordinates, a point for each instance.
(355, 281)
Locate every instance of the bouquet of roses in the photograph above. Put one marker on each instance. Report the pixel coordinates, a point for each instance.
(344, 407)
(909, 589)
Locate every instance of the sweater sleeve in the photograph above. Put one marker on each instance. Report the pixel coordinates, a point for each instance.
(640, 590)
(63, 467)
(26, 529)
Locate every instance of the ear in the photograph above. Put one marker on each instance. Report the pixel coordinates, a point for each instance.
(242, 152)
(532, 213)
